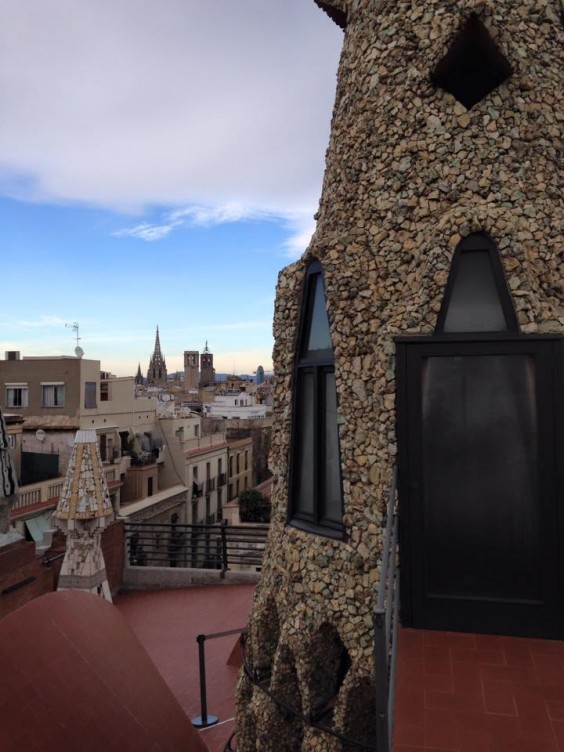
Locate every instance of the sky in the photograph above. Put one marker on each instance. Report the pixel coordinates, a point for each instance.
(160, 162)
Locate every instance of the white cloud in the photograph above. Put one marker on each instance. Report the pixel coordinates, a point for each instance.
(206, 216)
(146, 231)
(301, 229)
(196, 216)
(42, 321)
(223, 107)
(300, 225)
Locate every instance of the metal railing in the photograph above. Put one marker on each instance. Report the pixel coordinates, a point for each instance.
(221, 546)
(386, 621)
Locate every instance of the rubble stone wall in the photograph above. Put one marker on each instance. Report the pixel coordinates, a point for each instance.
(409, 173)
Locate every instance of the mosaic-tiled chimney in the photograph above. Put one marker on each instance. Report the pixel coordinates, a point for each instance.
(8, 488)
(85, 509)
(438, 226)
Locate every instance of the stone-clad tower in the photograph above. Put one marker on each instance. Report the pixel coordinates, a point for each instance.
(156, 374)
(421, 328)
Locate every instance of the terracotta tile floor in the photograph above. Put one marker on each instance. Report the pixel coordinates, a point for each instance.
(478, 693)
(167, 623)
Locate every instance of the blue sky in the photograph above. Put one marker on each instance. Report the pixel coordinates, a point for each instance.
(160, 162)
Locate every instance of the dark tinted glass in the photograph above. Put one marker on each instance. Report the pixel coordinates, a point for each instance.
(474, 304)
(305, 436)
(331, 465)
(481, 501)
(317, 340)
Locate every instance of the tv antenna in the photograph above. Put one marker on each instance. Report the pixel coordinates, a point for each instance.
(78, 351)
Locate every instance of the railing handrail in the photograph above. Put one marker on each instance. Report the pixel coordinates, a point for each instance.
(259, 526)
(386, 620)
(382, 587)
(202, 546)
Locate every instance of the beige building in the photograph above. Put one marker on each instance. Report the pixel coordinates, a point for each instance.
(59, 395)
(48, 399)
(200, 462)
(240, 466)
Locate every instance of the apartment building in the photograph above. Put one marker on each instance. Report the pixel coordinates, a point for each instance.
(240, 466)
(46, 400)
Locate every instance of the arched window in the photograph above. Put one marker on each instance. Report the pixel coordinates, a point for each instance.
(477, 298)
(315, 474)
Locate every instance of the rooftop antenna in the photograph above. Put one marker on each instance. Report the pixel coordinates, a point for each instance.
(78, 351)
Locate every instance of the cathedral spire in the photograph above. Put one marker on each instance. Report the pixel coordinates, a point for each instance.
(157, 351)
(157, 374)
(139, 375)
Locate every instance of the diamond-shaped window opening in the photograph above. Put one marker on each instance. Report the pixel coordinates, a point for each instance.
(473, 66)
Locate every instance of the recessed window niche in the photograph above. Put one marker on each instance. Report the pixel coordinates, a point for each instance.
(473, 66)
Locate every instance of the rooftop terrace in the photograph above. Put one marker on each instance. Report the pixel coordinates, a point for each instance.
(168, 622)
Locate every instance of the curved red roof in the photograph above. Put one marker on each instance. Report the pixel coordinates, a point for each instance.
(74, 677)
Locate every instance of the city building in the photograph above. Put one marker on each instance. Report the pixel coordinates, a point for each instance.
(239, 405)
(422, 328)
(240, 457)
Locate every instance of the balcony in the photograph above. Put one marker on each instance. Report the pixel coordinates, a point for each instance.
(38, 493)
(45, 494)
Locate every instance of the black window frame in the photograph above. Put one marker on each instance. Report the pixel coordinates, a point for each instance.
(315, 522)
(16, 396)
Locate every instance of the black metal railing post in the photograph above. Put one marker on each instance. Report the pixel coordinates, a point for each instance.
(224, 559)
(203, 720)
(206, 719)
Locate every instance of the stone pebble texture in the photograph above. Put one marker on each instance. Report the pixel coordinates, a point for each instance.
(410, 171)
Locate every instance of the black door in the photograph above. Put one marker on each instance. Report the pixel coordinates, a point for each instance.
(478, 486)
